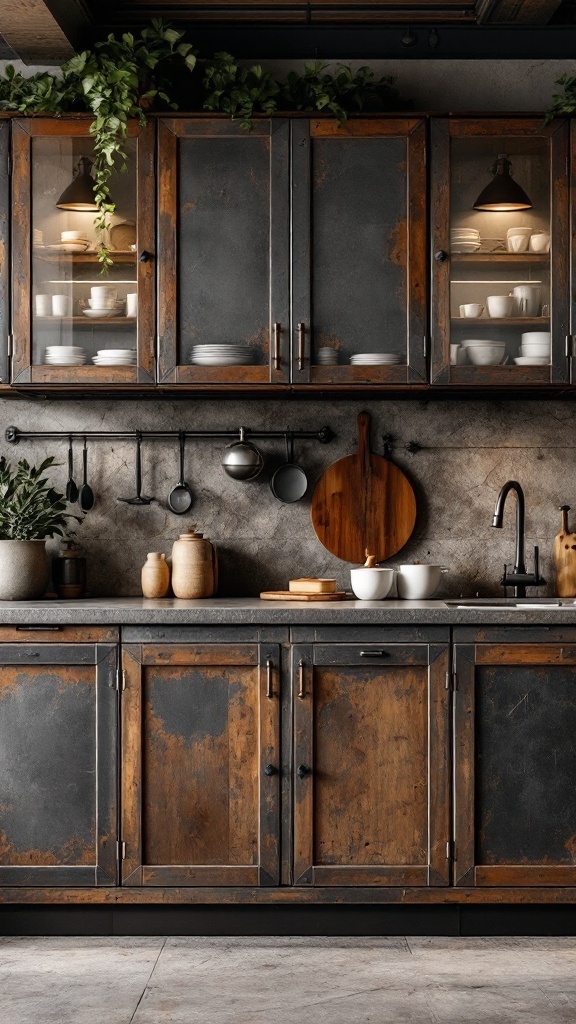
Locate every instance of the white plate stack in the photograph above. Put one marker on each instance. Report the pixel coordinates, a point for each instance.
(465, 240)
(222, 355)
(64, 355)
(375, 359)
(327, 357)
(115, 357)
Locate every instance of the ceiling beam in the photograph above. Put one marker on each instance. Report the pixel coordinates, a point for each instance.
(44, 31)
(515, 12)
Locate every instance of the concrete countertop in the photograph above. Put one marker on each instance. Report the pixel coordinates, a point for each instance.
(138, 611)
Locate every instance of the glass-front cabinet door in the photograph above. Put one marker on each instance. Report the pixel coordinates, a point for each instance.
(74, 324)
(359, 252)
(223, 249)
(500, 245)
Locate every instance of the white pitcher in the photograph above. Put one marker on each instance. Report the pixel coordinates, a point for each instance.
(527, 299)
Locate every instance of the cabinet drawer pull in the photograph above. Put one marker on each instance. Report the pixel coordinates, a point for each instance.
(269, 691)
(270, 769)
(39, 629)
(303, 770)
(301, 333)
(276, 347)
(301, 689)
(373, 654)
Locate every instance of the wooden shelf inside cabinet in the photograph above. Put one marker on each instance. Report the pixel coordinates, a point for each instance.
(86, 321)
(530, 259)
(508, 321)
(52, 256)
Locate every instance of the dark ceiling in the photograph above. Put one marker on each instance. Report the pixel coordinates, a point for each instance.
(50, 30)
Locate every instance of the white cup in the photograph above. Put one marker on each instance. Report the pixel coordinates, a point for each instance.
(526, 299)
(61, 305)
(43, 305)
(102, 293)
(540, 242)
(500, 305)
(517, 243)
(132, 304)
(471, 310)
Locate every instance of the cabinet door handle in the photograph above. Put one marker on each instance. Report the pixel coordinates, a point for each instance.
(373, 654)
(145, 256)
(301, 336)
(270, 769)
(301, 689)
(276, 346)
(440, 256)
(269, 691)
(40, 629)
(303, 770)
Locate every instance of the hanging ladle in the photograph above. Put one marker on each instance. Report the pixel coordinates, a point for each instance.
(71, 488)
(181, 498)
(140, 499)
(86, 497)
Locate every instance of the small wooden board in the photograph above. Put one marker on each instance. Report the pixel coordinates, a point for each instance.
(310, 585)
(289, 595)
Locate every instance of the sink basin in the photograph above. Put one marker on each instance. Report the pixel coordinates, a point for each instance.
(487, 603)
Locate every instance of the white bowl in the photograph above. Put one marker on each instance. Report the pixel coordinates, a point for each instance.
(371, 584)
(534, 349)
(94, 313)
(418, 582)
(532, 360)
(480, 342)
(532, 336)
(464, 246)
(485, 355)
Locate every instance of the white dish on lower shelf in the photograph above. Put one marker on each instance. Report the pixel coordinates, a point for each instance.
(532, 360)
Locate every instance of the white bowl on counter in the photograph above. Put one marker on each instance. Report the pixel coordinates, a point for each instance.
(371, 584)
(418, 582)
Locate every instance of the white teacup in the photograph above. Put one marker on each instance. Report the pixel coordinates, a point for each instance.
(500, 305)
(101, 293)
(527, 299)
(43, 305)
(61, 305)
(371, 584)
(517, 243)
(471, 310)
(540, 242)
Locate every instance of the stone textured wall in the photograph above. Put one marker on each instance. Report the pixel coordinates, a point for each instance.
(470, 448)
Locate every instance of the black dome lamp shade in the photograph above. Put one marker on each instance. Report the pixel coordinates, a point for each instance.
(80, 192)
(502, 194)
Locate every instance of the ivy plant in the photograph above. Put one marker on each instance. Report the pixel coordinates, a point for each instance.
(30, 509)
(565, 102)
(339, 93)
(239, 91)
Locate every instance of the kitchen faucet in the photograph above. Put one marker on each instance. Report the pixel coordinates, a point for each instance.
(519, 578)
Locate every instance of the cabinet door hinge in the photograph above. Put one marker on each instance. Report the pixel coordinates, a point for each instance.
(451, 680)
(569, 346)
(425, 345)
(120, 679)
(121, 849)
(451, 850)
(10, 345)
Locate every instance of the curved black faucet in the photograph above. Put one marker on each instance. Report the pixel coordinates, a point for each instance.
(518, 578)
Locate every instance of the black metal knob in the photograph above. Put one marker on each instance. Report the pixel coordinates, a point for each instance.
(145, 256)
(303, 770)
(270, 769)
(440, 256)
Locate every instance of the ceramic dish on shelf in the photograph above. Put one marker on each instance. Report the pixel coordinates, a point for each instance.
(465, 247)
(78, 246)
(532, 360)
(97, 313)
(375, 359)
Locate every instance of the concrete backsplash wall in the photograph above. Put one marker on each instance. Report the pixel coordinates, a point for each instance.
(470, 448)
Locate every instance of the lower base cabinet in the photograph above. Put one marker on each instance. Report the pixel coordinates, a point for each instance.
(515, 763)
(58, 764)
(200, 764)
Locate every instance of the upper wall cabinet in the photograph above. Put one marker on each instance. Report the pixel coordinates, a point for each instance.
(500, 252)
(224, 233)
(71, 322)
(359, 252)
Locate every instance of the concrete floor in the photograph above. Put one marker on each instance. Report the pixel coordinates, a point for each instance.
(287, 980)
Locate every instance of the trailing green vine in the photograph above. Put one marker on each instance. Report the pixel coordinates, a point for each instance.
(563, 103)
(120, 79)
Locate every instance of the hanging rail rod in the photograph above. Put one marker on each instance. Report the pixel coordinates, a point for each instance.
(13, 435)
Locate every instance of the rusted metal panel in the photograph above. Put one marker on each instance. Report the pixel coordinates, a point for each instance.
(57, 764)
(198, 731)
(371, 775)
(516, 765)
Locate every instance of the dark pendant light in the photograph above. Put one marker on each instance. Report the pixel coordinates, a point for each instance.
(80, 192)
(502, 193)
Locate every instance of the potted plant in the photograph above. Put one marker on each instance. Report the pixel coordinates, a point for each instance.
(30, 511)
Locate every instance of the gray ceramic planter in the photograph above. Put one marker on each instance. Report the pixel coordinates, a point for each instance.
(24, 570)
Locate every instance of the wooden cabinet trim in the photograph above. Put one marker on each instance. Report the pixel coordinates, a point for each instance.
(199, 654)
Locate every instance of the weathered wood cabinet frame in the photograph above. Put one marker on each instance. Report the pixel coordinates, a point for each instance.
(24, 370)
(95, 853)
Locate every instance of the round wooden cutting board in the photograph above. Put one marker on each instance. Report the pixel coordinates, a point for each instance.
(361, 502)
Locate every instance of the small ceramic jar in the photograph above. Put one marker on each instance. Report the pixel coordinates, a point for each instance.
(155, 575)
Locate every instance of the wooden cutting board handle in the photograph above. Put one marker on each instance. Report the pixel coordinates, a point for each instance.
(364, 441)
(564, 557)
